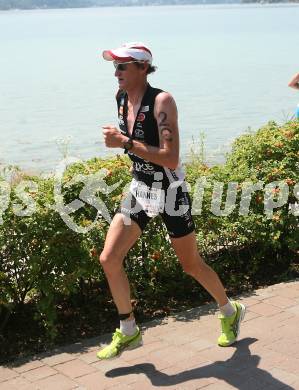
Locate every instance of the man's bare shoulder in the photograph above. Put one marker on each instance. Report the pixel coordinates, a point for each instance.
(165, 98)
(165, 102)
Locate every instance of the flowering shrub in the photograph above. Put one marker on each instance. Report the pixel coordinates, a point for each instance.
(254, 244)
(50, 240)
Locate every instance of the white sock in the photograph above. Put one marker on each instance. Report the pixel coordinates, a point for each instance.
(228, 309)
(128, 327)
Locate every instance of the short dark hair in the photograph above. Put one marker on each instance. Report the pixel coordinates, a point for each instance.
(150, 69)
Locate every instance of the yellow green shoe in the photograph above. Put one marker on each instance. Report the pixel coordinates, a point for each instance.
(119, 343)
(230, 326)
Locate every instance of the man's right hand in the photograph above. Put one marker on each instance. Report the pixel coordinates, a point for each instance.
(113, 137)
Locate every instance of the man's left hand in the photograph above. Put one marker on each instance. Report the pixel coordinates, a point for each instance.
(113, 137)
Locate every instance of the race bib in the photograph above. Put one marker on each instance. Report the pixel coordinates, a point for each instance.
(151, 199)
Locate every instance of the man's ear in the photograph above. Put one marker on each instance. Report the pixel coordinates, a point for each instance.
(145, 66)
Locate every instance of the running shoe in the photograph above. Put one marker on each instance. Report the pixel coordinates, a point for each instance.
(120, 343)
(230, 326)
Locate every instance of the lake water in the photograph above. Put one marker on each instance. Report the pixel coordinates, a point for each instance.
(226, 65)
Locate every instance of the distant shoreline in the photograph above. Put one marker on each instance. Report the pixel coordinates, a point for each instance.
(262, 2)
(118, 6)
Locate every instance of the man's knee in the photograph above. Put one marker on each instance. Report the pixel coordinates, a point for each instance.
(103, 259)
(188, 268)
(193, 265)
(110, 261)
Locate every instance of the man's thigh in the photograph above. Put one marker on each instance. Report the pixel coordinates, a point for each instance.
(186, 249)
(122, 235)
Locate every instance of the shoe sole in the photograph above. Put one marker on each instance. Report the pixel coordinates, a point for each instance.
(242, 315)
(134, 346)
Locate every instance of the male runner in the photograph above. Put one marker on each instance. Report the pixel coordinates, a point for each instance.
(148, 132)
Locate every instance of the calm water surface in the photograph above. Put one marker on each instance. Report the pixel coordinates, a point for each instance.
(227, 66)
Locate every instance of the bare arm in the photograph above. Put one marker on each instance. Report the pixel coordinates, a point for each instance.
(166, 114)
(294, 82)
(167, 154)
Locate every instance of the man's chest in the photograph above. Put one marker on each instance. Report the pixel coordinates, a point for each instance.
(131, 117)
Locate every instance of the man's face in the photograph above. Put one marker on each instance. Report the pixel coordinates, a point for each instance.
(127, 73)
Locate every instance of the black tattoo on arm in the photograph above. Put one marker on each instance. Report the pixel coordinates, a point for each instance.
(162, 118)
(165, 130)
(166, 134)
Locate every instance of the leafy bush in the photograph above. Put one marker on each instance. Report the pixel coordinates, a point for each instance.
(42, 260)
(256, 244)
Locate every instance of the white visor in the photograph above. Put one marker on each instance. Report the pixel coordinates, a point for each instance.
(128, 52)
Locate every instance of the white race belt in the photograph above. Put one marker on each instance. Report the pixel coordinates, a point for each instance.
(150, 199)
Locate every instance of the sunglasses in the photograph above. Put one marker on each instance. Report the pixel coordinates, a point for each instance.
(121, 66)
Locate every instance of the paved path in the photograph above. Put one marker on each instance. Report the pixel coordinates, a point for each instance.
(180, 353)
